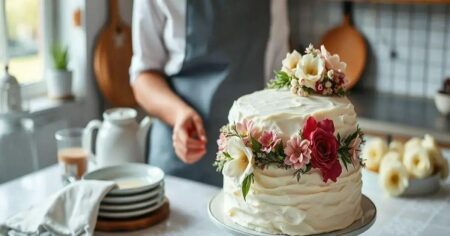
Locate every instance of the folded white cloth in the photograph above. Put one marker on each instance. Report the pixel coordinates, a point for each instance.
(71, 211)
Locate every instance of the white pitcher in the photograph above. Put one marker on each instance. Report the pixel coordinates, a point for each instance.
(120, 139)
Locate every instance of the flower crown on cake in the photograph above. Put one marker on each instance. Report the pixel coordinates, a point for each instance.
(243, 147)
(315, 72)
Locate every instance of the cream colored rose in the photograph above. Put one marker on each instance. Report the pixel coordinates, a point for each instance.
(309, 70)
(290, 62)
(393, 177)
(397, 146)
(373, 152)
(333, 62)
(389, 157)
(438, 159)
(412, 143)
(418, 162)
(242, 164)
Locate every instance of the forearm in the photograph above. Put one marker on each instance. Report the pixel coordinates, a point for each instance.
(153, 93)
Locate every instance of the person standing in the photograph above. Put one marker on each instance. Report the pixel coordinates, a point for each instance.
(191, 60)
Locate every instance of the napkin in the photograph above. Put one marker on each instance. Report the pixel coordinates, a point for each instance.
(71, 211)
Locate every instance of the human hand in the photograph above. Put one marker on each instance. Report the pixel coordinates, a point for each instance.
(189, 139)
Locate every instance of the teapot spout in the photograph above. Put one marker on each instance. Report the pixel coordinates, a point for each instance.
(144, 126)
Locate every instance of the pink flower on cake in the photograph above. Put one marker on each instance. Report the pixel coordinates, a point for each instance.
(332, 62)
(319, 87)
(298, 154)
(269, 141)
(324, 147)
(247, 128)
(222, 142)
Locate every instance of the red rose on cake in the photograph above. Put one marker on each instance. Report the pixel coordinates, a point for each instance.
(324, 147)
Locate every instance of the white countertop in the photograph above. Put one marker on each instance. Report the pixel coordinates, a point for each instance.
(188, 199)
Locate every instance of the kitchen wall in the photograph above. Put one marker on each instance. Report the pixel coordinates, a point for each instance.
(409, 44)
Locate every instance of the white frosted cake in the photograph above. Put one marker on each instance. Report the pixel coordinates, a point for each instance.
(290, 154)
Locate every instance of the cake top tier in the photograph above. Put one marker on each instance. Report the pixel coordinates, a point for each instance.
(315, 72)
(286, 113)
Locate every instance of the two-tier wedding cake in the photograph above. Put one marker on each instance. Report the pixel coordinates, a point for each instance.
(290, 153)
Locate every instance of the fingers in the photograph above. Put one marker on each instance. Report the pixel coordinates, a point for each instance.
(198, 123)
(188, 155)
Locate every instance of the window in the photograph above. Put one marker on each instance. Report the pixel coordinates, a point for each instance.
(25, 36)
(28, 24)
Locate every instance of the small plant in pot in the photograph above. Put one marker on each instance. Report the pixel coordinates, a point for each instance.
(59, 78)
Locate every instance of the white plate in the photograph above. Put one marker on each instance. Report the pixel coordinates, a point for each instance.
(130, 199)
(130, 178)
(129, 214)
(132, 206)
(218, 217)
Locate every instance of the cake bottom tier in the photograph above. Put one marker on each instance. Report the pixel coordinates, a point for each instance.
(278, 204)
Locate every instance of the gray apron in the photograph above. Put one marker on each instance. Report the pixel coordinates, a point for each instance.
(225, 47)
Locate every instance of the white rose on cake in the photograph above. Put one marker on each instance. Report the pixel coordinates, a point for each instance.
(418, 162)
(310, 69)
(333, 62)
(242, 161)
(373, 152)
(290, 62)
(393, 176)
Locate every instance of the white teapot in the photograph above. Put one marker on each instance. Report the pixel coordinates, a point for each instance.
(120, 139)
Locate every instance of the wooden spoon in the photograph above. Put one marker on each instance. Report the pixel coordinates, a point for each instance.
(112, 59)
(349, 44)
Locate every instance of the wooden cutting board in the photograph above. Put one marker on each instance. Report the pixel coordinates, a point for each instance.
(349, 44)
(141, 222)
(112, 59)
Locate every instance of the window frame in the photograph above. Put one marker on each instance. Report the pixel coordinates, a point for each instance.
(47, 11)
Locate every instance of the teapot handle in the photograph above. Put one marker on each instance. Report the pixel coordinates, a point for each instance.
(87, 138)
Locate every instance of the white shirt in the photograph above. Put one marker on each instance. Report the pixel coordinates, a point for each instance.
(159, 35)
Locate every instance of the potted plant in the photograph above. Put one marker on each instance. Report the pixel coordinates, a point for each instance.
(59, 78)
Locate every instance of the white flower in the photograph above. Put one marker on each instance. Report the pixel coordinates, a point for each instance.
(389, 157)
(290, 62)
(242, 164)
(309, 70)
(373, 152)
(412, 143)
(438, 159)
(418, 162)
(397, 146)
(294, 89)
(333, 62)
(393, 177)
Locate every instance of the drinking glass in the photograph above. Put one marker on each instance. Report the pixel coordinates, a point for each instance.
(71, 156)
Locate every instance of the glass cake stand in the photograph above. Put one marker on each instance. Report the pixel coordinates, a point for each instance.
(218, 217)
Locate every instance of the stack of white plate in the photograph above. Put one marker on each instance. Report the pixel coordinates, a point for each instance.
(139, 191)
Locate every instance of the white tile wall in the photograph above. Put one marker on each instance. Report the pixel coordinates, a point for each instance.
(418, 34)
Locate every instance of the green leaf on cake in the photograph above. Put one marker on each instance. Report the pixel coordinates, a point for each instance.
(282, 80)
(255, 144)
(246, 185)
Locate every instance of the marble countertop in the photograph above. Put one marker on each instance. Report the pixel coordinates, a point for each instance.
(188, 199)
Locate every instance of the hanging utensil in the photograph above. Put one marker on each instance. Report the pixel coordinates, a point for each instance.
(349, 44)
(113, 58)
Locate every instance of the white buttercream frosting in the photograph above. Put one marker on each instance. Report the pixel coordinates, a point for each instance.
(285, 113)
(277, 202)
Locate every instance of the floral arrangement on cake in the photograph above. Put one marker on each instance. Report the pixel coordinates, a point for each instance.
(315, 72)
(243, 147)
